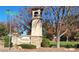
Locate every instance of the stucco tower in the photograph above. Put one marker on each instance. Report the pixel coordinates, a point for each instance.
(36, 30)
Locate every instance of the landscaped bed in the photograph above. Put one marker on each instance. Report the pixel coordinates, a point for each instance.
(70, 44)
(27, 46)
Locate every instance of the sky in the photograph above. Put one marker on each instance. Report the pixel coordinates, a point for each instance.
(16, 9)
(3, 14)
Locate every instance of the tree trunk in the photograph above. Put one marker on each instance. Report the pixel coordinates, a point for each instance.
(58, 35)
(58, 42)
(67, 39)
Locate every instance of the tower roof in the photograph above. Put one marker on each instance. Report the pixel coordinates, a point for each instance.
(37, 8)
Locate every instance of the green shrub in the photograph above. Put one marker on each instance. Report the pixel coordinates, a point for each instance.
(53, 44)
(27, 46)
(45, 42)
(6, 41)
(77, 45)
(71, 44)
(68, 44)
(65, 44)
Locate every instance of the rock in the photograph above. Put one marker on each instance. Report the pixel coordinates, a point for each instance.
(71, 49)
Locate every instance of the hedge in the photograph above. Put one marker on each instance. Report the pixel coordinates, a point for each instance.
(27, 46)
(70, 44)
(45, 42)
(6, 41)
(67, 44)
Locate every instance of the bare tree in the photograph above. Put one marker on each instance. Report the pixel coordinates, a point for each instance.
(59, 13)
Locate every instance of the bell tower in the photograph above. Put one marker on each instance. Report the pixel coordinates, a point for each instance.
(36, 30)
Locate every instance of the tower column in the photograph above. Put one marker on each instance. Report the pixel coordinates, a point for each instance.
(36, 30)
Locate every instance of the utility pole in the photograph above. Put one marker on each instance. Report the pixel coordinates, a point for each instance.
(10, 15)
(9, 18)
(10, 32)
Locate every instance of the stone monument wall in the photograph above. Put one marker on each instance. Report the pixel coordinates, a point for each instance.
(36, 40)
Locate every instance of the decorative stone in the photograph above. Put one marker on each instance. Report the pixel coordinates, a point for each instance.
(36, 30)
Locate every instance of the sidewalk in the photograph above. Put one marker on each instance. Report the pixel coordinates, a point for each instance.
(39, 50)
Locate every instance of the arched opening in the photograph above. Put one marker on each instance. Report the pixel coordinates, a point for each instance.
(35, 14)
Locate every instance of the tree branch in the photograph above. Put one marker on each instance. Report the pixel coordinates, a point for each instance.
(64, 32)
